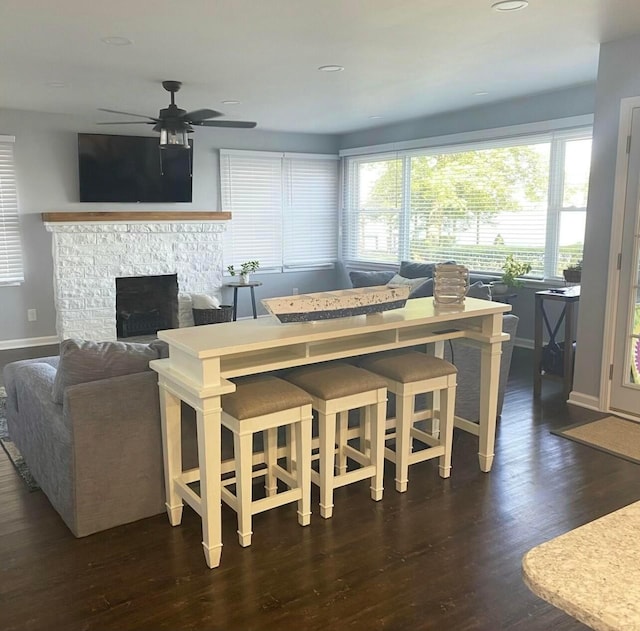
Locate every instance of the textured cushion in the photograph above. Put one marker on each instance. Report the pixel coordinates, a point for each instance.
(334, 380)
(369, 279)
(413, 269)
(479, 290)
(83, 361)
(414, 283)
(423, 290)
(262, 394)
(407, 366)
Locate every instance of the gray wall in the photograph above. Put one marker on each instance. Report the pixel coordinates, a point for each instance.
(571, 101)
(46, 162)
(618, 77)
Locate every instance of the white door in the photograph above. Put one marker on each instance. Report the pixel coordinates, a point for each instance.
(625, 382)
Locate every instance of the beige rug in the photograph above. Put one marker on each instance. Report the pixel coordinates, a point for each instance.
(611, 434)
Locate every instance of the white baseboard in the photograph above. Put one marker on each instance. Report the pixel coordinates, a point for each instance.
(585, 401)
(28, 342)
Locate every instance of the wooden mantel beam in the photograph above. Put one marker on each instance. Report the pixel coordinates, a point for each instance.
(152, 216)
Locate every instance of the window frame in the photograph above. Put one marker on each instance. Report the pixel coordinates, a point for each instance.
(556, 132)
(287, 185)
(10, 217)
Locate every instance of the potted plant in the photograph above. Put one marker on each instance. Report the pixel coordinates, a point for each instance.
(573, 273)
(512, 271)
(246, 269)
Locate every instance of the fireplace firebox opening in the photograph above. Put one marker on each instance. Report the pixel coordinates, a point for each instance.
(146, 304)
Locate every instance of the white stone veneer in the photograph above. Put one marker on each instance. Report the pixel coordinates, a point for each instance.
(89, 256)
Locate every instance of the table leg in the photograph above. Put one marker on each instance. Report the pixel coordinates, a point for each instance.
(253, 303)
(235, 304)
(537, 347)
(489, 383)
(170, 419)
(568, 349)
(209, 457)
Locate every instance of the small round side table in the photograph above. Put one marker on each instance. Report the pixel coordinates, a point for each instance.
(237, 286)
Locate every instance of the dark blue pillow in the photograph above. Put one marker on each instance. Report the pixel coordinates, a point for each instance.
(413, 269)
(370, 279)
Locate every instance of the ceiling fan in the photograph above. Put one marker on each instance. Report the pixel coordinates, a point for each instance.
(174, 123)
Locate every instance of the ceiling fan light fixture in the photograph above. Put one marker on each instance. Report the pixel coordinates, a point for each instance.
(509, 5)
(173, 138)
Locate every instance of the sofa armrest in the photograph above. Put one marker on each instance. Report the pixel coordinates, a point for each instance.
(117, 450)
(9, 380)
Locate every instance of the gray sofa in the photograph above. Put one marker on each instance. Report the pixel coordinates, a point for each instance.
(465, 357)
(96, 452)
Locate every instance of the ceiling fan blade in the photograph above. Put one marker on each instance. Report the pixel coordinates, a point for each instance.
(102, 109)
(238, 124)
(128, 123)
(200, 115)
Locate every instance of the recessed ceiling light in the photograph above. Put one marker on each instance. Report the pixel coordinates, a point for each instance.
(480, 93)
(375, 117)
(116, 40)
(231, 102)
(56, 84)
(331, 68)
(510, 5)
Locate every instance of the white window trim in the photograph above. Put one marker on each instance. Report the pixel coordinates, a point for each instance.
(282, 155)
(562, 129)
(6, 139)
(494, 133)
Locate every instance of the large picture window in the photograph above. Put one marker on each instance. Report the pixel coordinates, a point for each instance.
(284, 208)
(11, 272)
(473, 203)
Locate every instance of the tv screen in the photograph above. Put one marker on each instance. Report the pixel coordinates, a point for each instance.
(132, 169)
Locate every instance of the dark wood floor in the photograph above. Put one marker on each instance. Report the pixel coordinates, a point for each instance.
(446, 555)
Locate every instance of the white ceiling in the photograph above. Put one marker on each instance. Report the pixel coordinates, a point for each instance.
(403, 58)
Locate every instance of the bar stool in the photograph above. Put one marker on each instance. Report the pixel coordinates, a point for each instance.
(409, 373)
(262, 404)
(335, 389)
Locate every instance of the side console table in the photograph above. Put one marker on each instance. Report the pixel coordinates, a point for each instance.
(569, 297)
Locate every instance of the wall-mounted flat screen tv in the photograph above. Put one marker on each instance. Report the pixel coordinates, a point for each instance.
(133, 169)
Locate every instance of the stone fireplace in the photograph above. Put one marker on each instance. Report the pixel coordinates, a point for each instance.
(92, 250)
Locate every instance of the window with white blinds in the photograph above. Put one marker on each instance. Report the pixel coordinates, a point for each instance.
(284, 208)
(11, 271)
(474, 203)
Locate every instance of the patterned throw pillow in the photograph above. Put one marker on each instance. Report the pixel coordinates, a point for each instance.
(83, 361)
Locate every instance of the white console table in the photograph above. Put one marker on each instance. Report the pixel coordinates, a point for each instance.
(202, 360)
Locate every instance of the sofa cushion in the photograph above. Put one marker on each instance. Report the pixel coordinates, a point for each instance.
(479, 290)
(369, 278)
(84, 361)
(413, 269)
(420, 287)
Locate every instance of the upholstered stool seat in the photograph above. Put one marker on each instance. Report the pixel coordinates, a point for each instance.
(262, 404)
(335, 389)
(408, 373)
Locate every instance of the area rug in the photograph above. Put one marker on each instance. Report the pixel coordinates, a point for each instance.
(611, 434)
(12, 451)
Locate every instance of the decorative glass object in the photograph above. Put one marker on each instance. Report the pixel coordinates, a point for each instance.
(450, 284)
